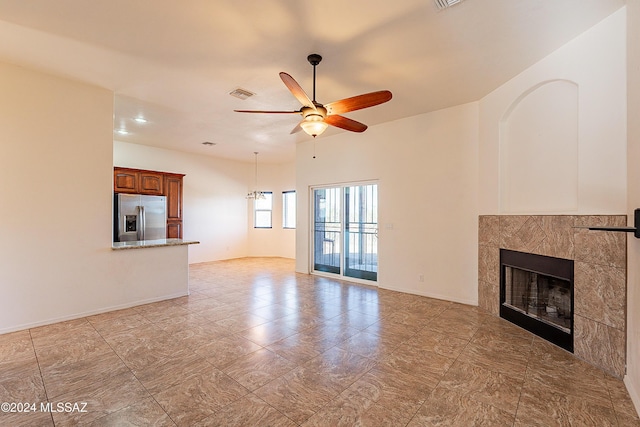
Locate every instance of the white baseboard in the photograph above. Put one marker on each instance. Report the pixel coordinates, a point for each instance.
(431, 295)
(634, 393)
(89, 313)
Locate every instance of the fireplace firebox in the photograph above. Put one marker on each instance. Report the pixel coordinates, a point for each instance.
(536, 293)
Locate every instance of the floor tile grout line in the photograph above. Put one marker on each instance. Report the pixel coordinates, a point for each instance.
(442, 376)
(613, 406)
(469, 341)
(137, 379)
(524, 379)
(44, 385)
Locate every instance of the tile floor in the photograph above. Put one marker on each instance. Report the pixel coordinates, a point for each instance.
(257, 345)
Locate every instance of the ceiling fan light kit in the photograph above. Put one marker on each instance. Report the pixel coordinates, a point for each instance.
(314, 125)
(317, 117)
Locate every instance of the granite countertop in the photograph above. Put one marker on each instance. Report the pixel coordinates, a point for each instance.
(152, 243)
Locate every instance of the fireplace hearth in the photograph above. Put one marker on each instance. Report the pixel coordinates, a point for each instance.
(536, 293)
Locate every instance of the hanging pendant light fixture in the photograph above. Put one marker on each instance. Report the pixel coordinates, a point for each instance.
(255, 194)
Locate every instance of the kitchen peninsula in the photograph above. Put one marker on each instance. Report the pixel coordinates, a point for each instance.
(148, 271)
(148, 215)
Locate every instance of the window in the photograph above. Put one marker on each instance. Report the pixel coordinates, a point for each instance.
(262, 211)
(288, 209)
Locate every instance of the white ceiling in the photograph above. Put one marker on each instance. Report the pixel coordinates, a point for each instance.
(175, 62)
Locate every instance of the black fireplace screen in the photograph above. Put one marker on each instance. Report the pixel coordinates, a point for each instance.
(537, 294)
(544, 297)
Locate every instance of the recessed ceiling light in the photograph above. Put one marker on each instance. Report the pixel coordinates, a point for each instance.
(122, 132)
(140, 120)
(241, 93)
(208, 143)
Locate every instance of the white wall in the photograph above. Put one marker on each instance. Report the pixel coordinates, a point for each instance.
(596, 62)
(216, 212)
(426, 168)
(632, 379)
(56, 260)
(539, 150)
(275, 241)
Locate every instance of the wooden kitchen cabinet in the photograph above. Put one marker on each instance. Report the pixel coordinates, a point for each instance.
(125, 180)
(151, 183)
(173, 191)
(174, 229)
(138, 181)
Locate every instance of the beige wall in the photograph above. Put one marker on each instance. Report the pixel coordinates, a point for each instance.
(595, 62)
(275, 241)
(633, 181)
(56, 260)
(426, 168)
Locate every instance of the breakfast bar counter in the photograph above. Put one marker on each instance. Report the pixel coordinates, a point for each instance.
(141, 244)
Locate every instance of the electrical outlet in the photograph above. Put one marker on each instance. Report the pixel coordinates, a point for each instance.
(421, 278)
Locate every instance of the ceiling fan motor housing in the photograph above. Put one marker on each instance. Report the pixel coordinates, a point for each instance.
(314, 59)
(318, 111)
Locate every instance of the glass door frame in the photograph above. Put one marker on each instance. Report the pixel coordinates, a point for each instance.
(343, 239)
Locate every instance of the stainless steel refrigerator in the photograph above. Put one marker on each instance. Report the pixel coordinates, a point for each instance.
(139, 217)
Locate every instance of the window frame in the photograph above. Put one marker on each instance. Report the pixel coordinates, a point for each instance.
(286, 221)
(256, 210)
(318, 213)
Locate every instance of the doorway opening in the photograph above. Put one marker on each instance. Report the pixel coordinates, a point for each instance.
(345, 230)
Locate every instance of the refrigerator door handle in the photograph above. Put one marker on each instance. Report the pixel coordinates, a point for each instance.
(142, 222)
(138, 222)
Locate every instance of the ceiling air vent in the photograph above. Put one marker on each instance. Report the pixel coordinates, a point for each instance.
(241, 93)
(443, 4)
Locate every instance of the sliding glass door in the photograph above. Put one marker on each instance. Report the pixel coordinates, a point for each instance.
(327, 230)
(361, 232)
(346, 217)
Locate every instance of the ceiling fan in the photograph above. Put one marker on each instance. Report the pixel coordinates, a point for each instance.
(316, 116)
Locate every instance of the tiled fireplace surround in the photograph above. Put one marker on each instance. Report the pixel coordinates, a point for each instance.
(600, 262)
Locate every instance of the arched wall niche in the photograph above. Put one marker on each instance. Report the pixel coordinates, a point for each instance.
(539, 150)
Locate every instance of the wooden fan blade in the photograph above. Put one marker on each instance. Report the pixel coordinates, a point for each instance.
(296, 90)
(296, 129)
(345, 123)
(358, 102)
(268, 112)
